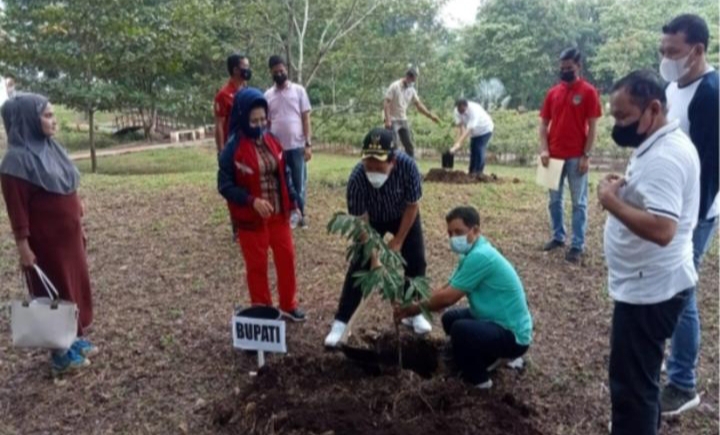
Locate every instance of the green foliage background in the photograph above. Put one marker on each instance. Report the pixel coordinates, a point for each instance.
(168, 56)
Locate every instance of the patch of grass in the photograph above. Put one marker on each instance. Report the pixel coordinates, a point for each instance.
(156, 162)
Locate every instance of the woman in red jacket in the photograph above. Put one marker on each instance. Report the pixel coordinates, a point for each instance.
(253, 178)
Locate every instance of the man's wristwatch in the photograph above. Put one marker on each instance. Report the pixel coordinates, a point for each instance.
(587, 155)
(308, 144)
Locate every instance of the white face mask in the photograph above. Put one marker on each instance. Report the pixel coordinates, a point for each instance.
(673, 70)
(376, 179)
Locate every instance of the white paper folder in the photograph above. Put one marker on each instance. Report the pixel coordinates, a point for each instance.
(549, 177)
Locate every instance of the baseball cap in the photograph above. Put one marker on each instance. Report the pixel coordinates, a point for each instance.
(377, 144)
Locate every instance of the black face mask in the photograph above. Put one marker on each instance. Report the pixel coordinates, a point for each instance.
(246, 74)
(280, 78)
(567, 76)
(628, 136)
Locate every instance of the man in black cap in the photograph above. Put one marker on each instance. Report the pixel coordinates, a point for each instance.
(385, 189)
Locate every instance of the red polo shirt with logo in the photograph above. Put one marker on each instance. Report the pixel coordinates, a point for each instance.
(568, 107)
(223, 104)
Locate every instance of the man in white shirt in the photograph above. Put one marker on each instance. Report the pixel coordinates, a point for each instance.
(289, 120)
(648, 246)
(474, 122)
(693, 100)
(398, 98)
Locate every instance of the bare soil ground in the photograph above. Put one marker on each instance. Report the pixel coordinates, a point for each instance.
(167, 277)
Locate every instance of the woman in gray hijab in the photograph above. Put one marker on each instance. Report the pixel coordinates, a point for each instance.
(39, 185)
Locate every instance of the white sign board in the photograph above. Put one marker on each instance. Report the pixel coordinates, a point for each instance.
(258, 334)
(549, 177)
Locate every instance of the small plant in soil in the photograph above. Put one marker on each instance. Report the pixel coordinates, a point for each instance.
(386, 275)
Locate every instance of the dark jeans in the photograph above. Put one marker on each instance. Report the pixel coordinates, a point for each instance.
(413, 251)
(636, 352)
(476, 344)
(401, 132)
(478, 148)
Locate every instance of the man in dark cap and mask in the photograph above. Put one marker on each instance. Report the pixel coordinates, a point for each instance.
(385, 189)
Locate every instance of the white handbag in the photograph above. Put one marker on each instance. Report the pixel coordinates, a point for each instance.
(46, 323)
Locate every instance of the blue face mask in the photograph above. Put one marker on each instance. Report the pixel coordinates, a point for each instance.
(460, 244)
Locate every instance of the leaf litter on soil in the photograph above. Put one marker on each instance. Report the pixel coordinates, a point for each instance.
(167, 276)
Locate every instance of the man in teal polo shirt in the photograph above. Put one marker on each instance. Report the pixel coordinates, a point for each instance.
(498, 324)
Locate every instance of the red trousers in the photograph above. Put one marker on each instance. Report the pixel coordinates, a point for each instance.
(275, 234)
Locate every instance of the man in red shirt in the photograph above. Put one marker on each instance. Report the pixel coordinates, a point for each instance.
(567, 132)
(238, 66)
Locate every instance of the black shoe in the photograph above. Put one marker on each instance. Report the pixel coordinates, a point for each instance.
(553, 244)
(296, 315)
(675, 401)
(573, 255)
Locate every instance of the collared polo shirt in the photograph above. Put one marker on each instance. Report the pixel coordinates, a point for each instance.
(286, 106)
(388, 203)
(662, 178)
(223, 104)
(494, 290)
(568, 108)
(400, 96)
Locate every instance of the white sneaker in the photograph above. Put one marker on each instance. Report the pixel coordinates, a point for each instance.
(517, 363)
(420, 325)
(485, 385)
(336, 331)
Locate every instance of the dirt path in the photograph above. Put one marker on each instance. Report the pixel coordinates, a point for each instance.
(85, 155)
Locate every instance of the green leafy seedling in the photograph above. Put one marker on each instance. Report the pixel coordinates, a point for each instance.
(388, 279)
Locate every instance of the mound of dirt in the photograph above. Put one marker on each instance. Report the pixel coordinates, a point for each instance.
(329, 394)
(459, 177)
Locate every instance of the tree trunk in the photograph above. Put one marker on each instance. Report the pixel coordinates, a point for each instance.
(288, 46)
(91, 123)
(334, 101)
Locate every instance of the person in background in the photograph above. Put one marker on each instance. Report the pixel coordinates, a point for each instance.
(497, 325)
(289, 120)
(10, 87)
(254, 180)
(693, 99)
(474, 122)
(385, 189)
(648, 246)
(39, 186)
(567, 132)
(398, 97)
(238, 66)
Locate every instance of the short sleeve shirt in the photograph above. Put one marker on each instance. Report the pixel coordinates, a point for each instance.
(388, 203)
(568, 108)
(679, 100)
(400, 96)
(475, 119)
(285, 109)
(223, 104)
(662, 178)
(494, 290)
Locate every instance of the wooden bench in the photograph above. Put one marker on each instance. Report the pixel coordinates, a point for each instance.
(193, 134)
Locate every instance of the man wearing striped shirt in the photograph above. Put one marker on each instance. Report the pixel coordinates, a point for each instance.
(385, 189)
